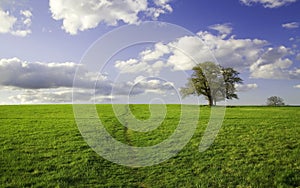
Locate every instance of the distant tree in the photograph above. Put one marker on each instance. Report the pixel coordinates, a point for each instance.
(212, 81)
(275, 101)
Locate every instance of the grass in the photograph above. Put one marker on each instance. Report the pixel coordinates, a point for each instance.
(40, 146)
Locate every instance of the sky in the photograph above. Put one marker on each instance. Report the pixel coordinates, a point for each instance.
(142, 51)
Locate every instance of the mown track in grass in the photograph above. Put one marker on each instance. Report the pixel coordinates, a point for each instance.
(40, 146)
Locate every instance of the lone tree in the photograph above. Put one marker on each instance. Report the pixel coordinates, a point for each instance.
(212, 81)
(275, 101)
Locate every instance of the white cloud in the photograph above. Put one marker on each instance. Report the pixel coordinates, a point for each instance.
(232, 52)
(64, 95)
(100, 95)
(26, 13)
(21, 33)
(164, 4)
(131, 66)
(160, 50)
(36, 96)
(255, 56)
(297, 86)
(174, 55)
(34, 75)
(56, 95)
(40, 82)
(186, 51)
(294, 73)
(150, 85)
(268, 3)
(162, 7)
(13, 25)
(252, 55)
(27, 17)
(273, 64)
(7, 21)
(82, 15)
(223, 29)
(291, 25)
(245, 87)
(148, 61)
(140, 65)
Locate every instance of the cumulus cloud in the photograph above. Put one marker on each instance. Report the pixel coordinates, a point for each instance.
(172, 55)
(230, 52)
(273, 64)
(40, 82)
(56, 95)
(162, 7)
(294, 73)
(34, 75)
(7, 22)
(245, 87)
(151, 85)
(256, 56)
(80, 15)
(291, 25)
(82, 95)
(233, 52)
(297, 86)
(140, 85)
(150, 61)
(13, 25)
(164, 4)
(184, 52)
(36, 96)
(159, 51)
(131, 66)
(223, 29)
(268, 3)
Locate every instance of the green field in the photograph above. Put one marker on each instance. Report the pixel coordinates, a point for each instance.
(41, 146)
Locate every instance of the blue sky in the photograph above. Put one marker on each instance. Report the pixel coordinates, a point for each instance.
(43, 42)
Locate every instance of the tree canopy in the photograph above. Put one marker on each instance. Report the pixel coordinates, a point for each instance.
(275, 101)
(212, 81)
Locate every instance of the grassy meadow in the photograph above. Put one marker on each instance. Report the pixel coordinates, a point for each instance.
(41, 146)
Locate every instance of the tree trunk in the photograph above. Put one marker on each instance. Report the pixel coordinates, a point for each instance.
(210, 101)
